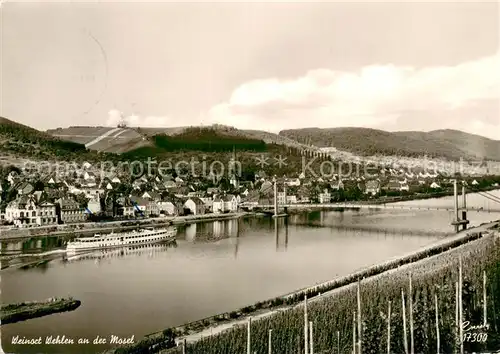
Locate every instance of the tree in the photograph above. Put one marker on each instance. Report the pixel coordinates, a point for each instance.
(39, 186)
(82, 200)
(224, 184)
(10, 195)
(123, 189)
(169, 336)
(354, 193)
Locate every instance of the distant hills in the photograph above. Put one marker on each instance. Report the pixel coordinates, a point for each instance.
(127, 142)
(449, 144)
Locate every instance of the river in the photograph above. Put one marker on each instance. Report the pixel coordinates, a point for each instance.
(212, 267)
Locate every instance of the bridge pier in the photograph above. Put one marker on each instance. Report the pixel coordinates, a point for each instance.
(275, 199)
(459, 221)
(464, 211)
(276, 211)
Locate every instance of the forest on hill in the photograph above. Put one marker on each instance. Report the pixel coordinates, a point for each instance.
(449, 144)
(21, 140)
(207, 140)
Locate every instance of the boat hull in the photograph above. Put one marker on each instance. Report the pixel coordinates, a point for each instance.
(119, 240)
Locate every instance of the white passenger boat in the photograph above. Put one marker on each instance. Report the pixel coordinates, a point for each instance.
(129, 238)
(151, 250)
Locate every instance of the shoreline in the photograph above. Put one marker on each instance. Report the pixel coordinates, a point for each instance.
(219, 323)
(69, 229)
(12, 313)
(388, 200)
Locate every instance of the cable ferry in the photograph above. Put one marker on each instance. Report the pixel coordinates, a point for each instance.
(135, 237)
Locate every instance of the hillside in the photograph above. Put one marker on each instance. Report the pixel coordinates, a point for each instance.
(120, 140)
(104, 139)
(449, 144)
(20, 140)
(470, 144)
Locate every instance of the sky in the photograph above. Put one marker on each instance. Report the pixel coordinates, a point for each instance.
(275, 66)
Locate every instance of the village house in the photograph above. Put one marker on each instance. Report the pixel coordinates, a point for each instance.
(69, 211)
(151, 195)
(198, 194)
(434, 185)
(337, 185)
(372, 187)
(89, 179)
(325, 197)
(225, 204)
(24, 188)
(51, 180)
(137, 184)
(303, 195)
(46, 214)
(281, 197)
(152, 209)
(403, 186)
(195, 206)
(125, 208)
(24, 212)
(267, 188)
(94, 205)
(392, 186)
(145, 207)
(170, 184)
(213, 191)
(292, 182)
(90, 192)
(168, 208)
(209, 204)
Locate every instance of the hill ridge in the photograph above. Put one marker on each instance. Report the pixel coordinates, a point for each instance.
(445, 143)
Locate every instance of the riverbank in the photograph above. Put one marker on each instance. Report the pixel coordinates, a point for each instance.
(89, 227)
(388, 200)
(422, 196)
(69, 229)
(215, 325)
(23, 311)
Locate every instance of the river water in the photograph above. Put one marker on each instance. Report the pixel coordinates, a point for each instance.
(212, 267)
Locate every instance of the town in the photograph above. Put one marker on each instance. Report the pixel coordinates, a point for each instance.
(31, 199)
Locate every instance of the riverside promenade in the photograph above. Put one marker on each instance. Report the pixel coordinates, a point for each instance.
(89, 227)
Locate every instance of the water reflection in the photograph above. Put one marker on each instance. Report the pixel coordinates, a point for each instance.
(127, 251)
(280, 228)
(366, 221)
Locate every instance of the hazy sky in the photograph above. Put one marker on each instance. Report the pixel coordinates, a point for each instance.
(393, 66)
